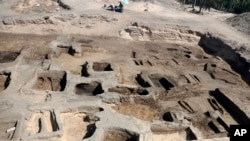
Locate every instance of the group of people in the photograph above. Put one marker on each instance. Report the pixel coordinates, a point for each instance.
(115, 8)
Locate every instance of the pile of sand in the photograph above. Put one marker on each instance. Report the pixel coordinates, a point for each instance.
(241, 22)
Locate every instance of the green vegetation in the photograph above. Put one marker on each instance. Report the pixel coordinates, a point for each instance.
(240, 6)
(236, 6)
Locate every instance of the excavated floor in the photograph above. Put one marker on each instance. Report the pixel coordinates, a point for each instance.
(36, 6)
(64, 91)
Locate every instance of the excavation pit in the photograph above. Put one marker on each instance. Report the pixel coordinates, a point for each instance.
(64, 49)
(84, 71)
(141, 81)
(143, 112)
(51, 80)
(210, 130)
(4, 80)
(102, 66)
(120, 135)
(144, 109)
(7, 57)
(187, 56)
(133, 54)
(75, 128)
(230, 107)
(92, 88)
(43, 122)
(138, 62)
(166, 84)
(129, 91)
(168, 117)
(176, 135)
(182, 80)
(160, 81)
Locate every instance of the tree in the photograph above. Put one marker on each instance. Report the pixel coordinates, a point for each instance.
(230, 3)
(202, 3)
(236, 6)
(194, 4)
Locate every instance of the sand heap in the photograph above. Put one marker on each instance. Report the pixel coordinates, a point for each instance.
(241, 22)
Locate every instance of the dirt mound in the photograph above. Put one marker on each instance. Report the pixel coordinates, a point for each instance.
(241, 22)
(142, 32)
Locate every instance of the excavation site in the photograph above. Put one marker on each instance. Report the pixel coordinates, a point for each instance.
(74, 71)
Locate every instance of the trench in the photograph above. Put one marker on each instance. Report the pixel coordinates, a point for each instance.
(141, 81)
(62, 4)
(53, 121)
(7, 57)
(92, 88)
(216, 47)
(4, 80)
(166, 84)
(236, 113)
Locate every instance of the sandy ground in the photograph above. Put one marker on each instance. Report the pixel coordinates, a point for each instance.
(241, 22)
(89, 18)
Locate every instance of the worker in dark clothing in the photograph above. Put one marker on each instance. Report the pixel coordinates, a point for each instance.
(110, 7)
(119, 8)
